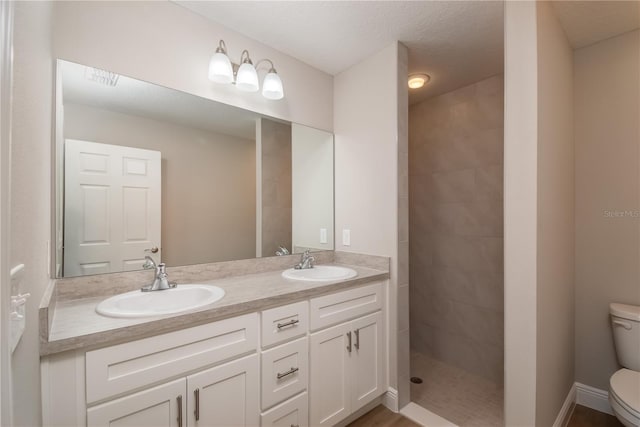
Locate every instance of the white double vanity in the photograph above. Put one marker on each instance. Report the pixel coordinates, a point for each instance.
(206, 194)
(272, 352)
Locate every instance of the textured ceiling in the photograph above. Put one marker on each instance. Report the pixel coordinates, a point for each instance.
(588, 22)
(456, 42)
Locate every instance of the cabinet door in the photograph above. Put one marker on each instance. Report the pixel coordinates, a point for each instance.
(160, 406)
(329, 397)
(368, 360)
(227, 395)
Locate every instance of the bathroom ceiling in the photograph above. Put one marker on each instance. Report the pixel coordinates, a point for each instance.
(456, 42)
(140, 98)
(588, 22)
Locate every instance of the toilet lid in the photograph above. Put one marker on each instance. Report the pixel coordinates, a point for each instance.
(625, 384)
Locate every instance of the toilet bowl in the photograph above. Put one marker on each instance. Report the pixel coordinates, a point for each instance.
(624, 385)
(624, 396)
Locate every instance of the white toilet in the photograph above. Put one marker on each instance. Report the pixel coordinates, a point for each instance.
(624, 385)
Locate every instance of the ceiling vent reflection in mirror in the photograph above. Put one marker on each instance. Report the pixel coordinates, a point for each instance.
(245, 74)
(104, 77)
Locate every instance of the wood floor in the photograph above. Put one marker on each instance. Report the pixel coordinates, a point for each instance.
(587, 417)
(380, 416)
(383, 417)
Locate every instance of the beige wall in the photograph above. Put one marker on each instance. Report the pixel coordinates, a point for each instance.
(30, 191)
(455, 211)
(520, 212)
(607, 168)
(208, 182)
(275, 174)
(555, 251)
(166, 44)
(402, 300)
(366, 172)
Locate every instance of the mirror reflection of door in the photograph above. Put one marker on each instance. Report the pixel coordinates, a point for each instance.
(112, 197)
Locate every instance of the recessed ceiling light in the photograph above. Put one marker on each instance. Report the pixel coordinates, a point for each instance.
(416, 81)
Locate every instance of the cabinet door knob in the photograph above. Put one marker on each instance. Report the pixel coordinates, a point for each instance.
(153, 250)
(197, 411)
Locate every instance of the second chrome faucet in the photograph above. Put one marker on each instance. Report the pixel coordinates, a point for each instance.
(306, 261)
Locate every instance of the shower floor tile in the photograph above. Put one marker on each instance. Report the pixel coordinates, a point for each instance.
(457, 395)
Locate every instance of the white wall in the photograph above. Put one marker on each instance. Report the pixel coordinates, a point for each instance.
(312, 181)
(607, 130)
(520, 212)
(166, 44)
(30, 190)
(6, 62)
(539, 215)
(555, 271)
(366, 177)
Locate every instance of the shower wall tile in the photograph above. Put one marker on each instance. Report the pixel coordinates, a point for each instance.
(276, 186)
(456, 227)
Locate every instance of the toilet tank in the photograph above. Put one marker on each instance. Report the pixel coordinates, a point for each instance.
(625, 322)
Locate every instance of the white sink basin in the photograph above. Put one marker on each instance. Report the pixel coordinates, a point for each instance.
(157, 303)
(320, 273)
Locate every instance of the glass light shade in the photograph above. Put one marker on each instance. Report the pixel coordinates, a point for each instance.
(247, 78)
(272, 86)
(416, 81)
(220, 70)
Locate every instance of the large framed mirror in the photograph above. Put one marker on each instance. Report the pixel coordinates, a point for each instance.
(143, 169)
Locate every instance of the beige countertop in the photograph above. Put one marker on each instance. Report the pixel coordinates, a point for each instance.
(74, 324)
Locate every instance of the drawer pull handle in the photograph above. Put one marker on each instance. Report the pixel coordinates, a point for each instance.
(349, 338)
(289, 372)
(357, 344)
(295, 425)
(197, 411)
(289, 323)
(179, 399)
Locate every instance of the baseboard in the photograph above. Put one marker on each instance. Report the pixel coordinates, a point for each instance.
(424, 417)
(593, 398)
(567, 408)
(390, 399)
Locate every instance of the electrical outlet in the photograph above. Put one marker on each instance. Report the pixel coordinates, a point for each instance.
(346, 237)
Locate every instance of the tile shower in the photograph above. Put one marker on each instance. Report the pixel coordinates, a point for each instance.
(456, 252)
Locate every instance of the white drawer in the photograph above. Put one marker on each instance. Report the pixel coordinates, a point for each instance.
(284, 323)
(125, 367)
(336, 308)
(292, 413)
(285, 371)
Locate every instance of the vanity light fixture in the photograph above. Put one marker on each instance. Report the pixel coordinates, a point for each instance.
(416, 81)
(245, 74)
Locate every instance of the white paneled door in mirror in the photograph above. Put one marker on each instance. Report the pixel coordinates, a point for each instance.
(112, 207)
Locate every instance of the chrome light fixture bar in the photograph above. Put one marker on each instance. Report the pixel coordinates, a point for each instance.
(245, 74)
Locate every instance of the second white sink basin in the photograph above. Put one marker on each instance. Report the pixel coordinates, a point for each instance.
(157, 303)
(320, 273)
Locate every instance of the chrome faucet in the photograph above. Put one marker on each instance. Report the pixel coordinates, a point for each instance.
(161, 280)
(306, 261)
(282, 251)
